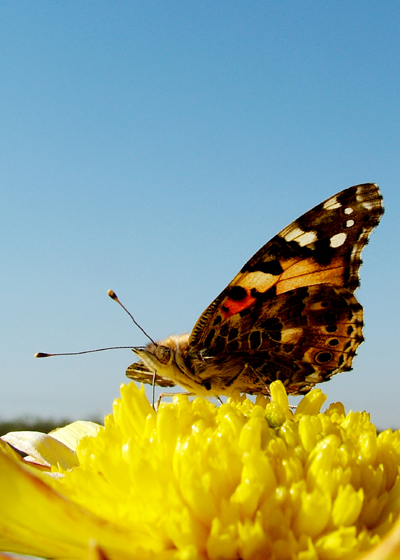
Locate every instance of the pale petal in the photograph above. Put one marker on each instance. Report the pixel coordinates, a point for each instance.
(5, 556)
(42, 448)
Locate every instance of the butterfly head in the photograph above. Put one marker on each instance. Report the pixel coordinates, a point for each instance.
(166, 358)
(155, 356)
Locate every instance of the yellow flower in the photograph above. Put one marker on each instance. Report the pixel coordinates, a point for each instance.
(199, 481)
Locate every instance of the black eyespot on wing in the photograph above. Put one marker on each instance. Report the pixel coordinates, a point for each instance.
(333, 342)
(323, 357)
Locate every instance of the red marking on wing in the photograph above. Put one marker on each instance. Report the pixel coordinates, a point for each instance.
(234, 306)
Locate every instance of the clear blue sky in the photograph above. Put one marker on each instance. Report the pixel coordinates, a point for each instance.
(152, 147)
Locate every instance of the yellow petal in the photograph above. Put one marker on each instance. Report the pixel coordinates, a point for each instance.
(279, 396)
(314, 512)
(347, 506)
(71, 434)
(311, 403)
(38, 521)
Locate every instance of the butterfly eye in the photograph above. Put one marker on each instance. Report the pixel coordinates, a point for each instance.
(164, 354)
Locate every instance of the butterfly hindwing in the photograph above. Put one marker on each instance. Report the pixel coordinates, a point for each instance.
(142, 374)
(302, 338)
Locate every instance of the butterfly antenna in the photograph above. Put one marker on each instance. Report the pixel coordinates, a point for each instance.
(114, 296)
(45, 355)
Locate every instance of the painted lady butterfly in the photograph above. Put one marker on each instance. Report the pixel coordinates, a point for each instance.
(289, 314)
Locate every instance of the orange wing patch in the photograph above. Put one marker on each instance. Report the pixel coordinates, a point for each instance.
(308, 273)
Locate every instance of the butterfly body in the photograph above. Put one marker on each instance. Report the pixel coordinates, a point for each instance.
(289, 314)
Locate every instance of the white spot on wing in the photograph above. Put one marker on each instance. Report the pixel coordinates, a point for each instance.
(349, 223)
(338, 240)
(348, 210)
(332, 204)
(307, 238)
(296, 232)
(368, 205)
(301, 237)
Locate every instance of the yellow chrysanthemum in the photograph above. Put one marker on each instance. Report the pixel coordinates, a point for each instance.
(199, 481)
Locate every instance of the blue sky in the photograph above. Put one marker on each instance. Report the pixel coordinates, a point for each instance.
(153, 147)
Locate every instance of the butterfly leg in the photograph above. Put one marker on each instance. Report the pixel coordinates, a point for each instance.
(162, 395)
(153, 388)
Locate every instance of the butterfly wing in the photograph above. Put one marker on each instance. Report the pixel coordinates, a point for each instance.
(321, 247)
(310, 264)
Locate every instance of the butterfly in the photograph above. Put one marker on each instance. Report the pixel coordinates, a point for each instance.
(289, 314)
